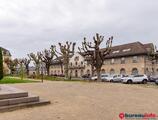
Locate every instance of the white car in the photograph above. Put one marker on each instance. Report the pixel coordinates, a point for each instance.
(103, 76)
(94, 78)
(135, 79)
(108, 78)
(116, 78)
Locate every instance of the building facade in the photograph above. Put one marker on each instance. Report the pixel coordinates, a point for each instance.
(132, 58)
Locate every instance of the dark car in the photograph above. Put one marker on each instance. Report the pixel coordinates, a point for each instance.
(86, 76)
(153, 78)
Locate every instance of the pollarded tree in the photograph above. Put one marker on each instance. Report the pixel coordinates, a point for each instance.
(58, 58)
(65, 51)
(1, 64)
(26, 64)
(46, 57)
(94, 53)
(12, 64)
(36, 59)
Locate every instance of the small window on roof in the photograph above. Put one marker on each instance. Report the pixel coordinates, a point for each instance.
(126, 50)
(117, 51)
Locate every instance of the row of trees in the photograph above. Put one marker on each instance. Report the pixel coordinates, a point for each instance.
(91, 50)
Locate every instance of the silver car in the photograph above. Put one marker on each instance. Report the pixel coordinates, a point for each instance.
(116, 78)
(135, 79)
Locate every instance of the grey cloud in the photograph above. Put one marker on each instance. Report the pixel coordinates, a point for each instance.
(33, 25)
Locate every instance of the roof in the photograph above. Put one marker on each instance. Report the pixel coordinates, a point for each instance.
(130, 49)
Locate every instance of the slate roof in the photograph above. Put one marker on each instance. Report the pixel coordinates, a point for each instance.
(130, 49)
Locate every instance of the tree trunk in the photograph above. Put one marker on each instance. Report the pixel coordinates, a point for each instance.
(61, 67)
(37, 69)
(98, 75)
(66, 67)
(92, 72)
(27, 70)
(66, 71)
(47, 67)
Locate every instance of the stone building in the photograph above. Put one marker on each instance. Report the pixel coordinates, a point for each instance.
(131, 58)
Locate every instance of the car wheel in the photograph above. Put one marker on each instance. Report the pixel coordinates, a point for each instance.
(129, 81)
(144, 81)
(111, 80)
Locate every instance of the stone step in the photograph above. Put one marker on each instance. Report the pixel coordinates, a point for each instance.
(23, 105)
(14, 101)
(13, 95)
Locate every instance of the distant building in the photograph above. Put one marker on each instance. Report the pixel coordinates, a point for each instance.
(131, 58)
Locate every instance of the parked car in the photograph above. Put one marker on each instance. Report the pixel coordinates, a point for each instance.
(156, 82)
(94, 78)
(86, 76)
(153, 78)
(116, 78)
(107, 78)
(103, 77)
(135, 79)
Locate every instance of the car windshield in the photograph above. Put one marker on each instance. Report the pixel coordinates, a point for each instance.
(125, 76)
(104, 75)
(138, 75)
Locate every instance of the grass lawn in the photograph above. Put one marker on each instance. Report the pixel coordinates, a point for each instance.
(52, 78)
(7, 80)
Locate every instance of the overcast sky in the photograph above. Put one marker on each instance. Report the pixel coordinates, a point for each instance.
(32, 25)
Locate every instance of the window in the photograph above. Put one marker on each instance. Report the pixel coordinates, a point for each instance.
(122, 60)
(126, 50)
(88, 72)
(81, 63)
(112, 61)
(135, 59)
(112, 71)
(135, 71)
(104, 62)
(117, 51)
(122, 71)
(76, 58)
(58, 72)
(147, 71)
(71, 63)
(103, 71)
(76, 63)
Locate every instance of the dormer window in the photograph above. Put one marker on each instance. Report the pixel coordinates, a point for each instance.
(76, 58)
(135, 59)
(117, 51)
(126, 50)
(112, 61)
(122, 60)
